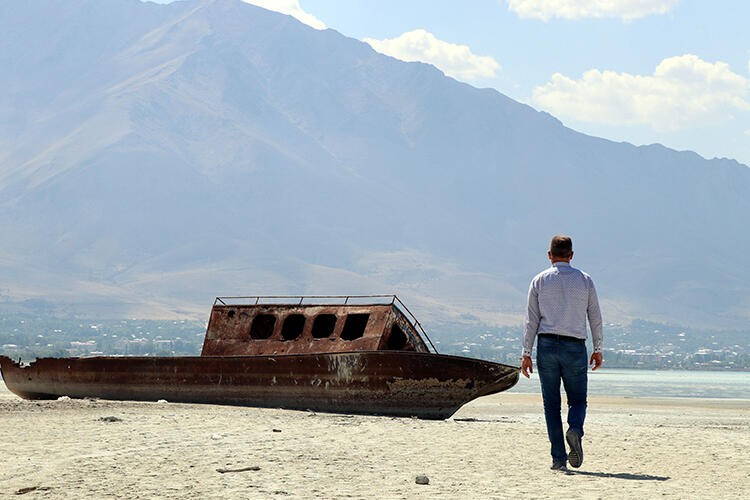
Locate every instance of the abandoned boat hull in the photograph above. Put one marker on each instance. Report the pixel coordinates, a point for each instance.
(418, 384)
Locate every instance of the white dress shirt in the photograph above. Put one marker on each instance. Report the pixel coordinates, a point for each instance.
(561, 298)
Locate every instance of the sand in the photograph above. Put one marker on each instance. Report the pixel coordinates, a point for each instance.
(494, 447)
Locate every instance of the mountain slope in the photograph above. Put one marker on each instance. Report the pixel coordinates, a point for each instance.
(153, 156)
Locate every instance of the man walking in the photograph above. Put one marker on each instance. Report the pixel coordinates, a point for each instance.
(561, 298)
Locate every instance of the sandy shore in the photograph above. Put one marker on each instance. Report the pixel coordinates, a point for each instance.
(494, 447)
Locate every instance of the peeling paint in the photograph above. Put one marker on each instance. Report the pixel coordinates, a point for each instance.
(346, 367)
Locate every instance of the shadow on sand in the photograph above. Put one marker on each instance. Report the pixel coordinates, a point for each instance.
(620, 475)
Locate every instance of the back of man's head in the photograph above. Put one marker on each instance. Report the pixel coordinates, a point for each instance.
(561, 246)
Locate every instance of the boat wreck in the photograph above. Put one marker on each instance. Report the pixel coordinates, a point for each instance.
(343, 354)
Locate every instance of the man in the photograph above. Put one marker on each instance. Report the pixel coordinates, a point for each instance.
(561, 298)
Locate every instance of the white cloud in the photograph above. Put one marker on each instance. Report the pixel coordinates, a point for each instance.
(290, 8)
(626, 10)
(454, 60)
(683, 91)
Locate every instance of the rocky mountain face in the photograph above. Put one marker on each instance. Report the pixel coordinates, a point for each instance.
(155, 156)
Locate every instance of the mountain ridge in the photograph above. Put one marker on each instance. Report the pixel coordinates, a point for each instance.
(215, 148)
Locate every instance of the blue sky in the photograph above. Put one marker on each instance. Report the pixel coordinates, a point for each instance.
(676, 72)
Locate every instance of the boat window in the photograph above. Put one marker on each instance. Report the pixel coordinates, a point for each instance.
(323, 326)
(397, 339)
(354, 327)
(263, 325)
(293, 326)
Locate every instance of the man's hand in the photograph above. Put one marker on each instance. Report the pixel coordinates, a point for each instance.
(596, 360)
(528, 367)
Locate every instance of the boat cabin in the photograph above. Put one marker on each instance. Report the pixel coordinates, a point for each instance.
(242, 326)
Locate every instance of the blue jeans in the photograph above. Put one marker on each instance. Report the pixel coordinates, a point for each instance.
(564, 360)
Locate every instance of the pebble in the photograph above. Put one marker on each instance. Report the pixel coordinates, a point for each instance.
(110, 419)
(242, 469)
(422, 479)
(29, 489)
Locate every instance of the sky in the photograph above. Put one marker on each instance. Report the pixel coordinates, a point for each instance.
(675, 72)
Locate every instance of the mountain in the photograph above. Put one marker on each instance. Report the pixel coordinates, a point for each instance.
(155, 156)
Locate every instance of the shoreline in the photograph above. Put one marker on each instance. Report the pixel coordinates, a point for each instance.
(663, 401)
(518, 396)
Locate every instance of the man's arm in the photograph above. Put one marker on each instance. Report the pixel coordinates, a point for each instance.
(531, 325)
(595, 322)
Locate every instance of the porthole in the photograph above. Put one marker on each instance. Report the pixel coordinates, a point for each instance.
(323, 326)
(354, 326)
(293, 326)
(397, 339)
(262, 327)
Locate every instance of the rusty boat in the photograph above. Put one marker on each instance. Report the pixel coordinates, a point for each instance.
(337, 354)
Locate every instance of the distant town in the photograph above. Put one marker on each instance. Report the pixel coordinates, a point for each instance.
(641, 344)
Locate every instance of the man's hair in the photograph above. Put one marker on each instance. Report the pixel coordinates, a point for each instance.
(561, 246)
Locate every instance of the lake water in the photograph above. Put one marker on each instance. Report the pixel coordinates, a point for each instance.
(657, 384)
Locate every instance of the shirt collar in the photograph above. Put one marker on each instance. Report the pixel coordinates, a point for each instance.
(561, 264)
